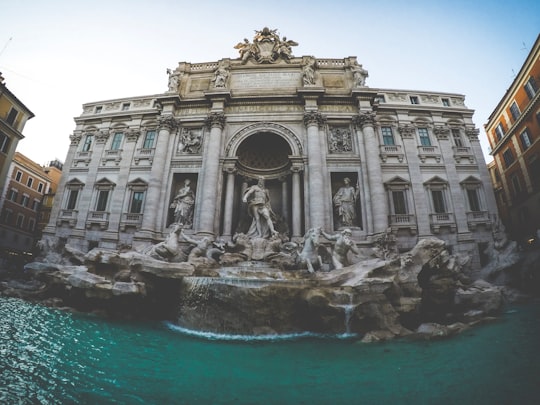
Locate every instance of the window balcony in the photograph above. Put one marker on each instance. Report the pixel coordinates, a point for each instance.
(130, 220)
(475, 218)
(100, 218)
(82, 157)
(392, 151)
(463, 152)
(429, 152)
(144, 154)
(442, 219)
(112, 155)
(68, 216)
(403, 221)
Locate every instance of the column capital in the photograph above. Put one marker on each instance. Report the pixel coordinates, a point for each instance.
(472, 133)
(75, 138)
(441, 132)
(364, 119)
(102, 136)
(167, 122)
(313, 118)
(406, 131)
(132, 134)
(215, 119)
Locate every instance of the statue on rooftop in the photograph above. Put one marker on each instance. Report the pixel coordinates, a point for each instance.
(267, 47)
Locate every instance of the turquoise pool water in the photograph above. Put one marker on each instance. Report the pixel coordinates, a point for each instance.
(52, 357)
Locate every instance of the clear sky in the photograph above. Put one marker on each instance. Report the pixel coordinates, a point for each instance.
(56, 55)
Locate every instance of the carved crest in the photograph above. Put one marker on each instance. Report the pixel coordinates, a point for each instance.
(267, 47)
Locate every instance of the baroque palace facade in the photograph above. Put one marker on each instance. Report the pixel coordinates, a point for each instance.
(333, 153)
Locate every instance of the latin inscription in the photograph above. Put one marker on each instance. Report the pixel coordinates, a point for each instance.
(267, 80)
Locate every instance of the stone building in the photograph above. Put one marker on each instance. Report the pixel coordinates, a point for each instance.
(20, 206)
(333, 153)
(513, 131)
(13, 117)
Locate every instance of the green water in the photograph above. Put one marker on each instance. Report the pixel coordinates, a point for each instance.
(49, 356)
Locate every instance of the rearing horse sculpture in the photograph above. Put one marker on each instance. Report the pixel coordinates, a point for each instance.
(309, 256)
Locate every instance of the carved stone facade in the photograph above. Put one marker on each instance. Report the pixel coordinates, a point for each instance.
(303, 124)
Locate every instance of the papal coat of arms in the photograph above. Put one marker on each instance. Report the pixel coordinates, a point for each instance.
(266, 47)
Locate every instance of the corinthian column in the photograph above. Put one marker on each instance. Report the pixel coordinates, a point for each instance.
(208, 201)
(167, 124)
(379, 210)
(229, 199)
(312, 121)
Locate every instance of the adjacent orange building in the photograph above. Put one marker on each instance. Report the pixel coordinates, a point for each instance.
(21, 202)
(13, 117)
(513, 131)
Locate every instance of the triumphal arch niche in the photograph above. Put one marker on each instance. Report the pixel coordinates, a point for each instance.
(270, 154)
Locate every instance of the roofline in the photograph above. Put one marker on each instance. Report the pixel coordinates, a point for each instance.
(528, 60)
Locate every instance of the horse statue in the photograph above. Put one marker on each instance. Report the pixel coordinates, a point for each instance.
(170, 249)
(310, 257)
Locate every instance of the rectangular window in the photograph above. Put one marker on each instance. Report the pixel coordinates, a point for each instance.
(117, 140)
(508, 157)
(35, 205)
(525, 139)
(514, 110)
(31, 224)
(20, 221)
(446, 102)
(438, 201)
(125, 106)
(29, 182)
(149, 139)
(6, 216)
(534, 172)
(424, 137)
(103, 197)
(99, 109)
(387, 135)
(72, 199)
(380, 98)
(25, 200)
(136, 202)
(414, 100)
(40, 187)
(18, 176)
(499, 131)
(516, 184)
(474, 201)
(13, 194)
(398, 198)
(87, 142)
(4, 142)
(531, 88)
(456, 134)
(12, 116)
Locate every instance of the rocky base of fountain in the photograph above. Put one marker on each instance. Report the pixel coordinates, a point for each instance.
(423, 293)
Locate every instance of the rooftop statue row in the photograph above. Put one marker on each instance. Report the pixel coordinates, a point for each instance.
(268, 47)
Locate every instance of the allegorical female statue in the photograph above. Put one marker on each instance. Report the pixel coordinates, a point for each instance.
(183, 205)
(345, 201)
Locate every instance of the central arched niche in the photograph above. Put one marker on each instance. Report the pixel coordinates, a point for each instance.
(264, 154)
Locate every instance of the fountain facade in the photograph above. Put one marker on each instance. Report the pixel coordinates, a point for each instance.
(271, 194)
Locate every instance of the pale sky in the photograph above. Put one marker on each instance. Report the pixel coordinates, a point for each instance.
(56, 55)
